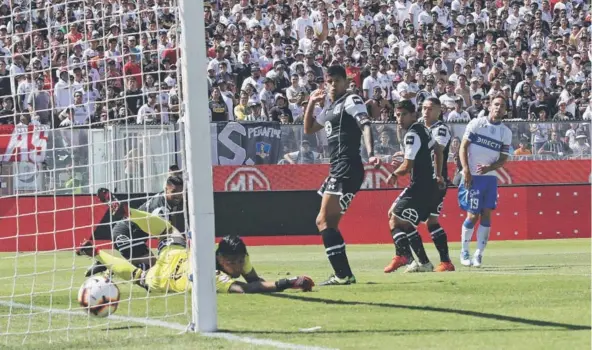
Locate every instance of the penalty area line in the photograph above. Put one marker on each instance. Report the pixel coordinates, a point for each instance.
(170, 325)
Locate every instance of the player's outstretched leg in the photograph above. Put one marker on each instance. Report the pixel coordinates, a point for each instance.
(327, 223)
(441, 242)
(482, 237)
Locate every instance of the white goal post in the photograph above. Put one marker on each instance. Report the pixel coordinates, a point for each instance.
(198, 164)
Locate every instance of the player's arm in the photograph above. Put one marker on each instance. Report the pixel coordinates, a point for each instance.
(438, 161)
(311, 125)
(355, 106)
(302, 282)
(442, 138)
(503, 157)
(412, 146)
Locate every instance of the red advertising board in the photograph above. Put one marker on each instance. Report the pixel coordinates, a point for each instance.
(310, 177)
(529, 212)
(23, 143)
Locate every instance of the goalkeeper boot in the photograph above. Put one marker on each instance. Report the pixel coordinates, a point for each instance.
(87, 248)
(444, 266)
(397, 262)
(95, 268)
(333, 280)
(119, 210)
(417, 267)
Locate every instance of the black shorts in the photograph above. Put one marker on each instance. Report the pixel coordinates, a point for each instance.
(130, 240)
(344, 187)
(415, 206)
(438, 204)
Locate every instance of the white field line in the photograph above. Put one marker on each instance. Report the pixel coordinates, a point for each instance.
(170, 325)
(523, 273)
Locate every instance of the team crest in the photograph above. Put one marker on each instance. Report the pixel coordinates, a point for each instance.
(328, 128)
(262, 149)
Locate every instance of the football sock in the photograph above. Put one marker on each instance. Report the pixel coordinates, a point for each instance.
(401, 241)
(154, 225)
(120, 267)
(440, 241)
(417, 245)
(482, 236)
(335, 250)
(467, 234)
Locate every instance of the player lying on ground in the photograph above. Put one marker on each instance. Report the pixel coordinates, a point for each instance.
(128, 238)
(345, 122)
(484, 148)
(172, 269)
(421, 197)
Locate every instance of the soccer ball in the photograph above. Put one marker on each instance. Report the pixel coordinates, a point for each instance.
(99, 296)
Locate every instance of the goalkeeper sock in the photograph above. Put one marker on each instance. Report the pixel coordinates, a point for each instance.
(482, 236)
(154, 225)
(401, 244)
(335, 250)
(120, 267)
(467, 234)
(440, 241)
(416, 244)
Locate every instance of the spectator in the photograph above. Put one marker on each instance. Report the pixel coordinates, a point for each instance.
(555, 146)
(581, 147)
(39, 102)
(523, 149)
(147, 113)
(303, 156)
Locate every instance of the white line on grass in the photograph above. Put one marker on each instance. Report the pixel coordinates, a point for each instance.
(170, 325)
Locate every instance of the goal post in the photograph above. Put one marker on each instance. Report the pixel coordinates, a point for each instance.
(198, 164)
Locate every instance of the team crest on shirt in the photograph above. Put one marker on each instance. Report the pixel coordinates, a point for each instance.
(328, 128)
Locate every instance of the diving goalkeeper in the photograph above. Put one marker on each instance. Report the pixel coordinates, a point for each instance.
(172, 269)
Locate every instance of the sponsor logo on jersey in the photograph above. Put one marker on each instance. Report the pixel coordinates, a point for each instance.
(488, 143)
(328, 128)
(409, 140)
(441, 132)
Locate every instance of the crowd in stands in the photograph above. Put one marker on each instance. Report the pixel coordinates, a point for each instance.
(81, 62)
(266, 57)
(90, 62)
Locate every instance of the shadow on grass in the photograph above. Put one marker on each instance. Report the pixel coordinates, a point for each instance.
(122, 328)
(491, 316)
(391, 331)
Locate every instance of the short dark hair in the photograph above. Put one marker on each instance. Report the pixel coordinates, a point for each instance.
(231, 245)
(337, 71)
(174, 167)
(175, 181)
(406, 105)
(500, 96)
(434, 100)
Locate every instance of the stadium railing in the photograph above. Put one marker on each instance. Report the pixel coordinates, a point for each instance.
(77, 160)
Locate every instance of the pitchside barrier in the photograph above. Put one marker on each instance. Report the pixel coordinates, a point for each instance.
(542, 195)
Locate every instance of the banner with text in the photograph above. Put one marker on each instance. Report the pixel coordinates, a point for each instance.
(246, 144)
(309, 177)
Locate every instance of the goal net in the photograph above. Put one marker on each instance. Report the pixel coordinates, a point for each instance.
(90, 95)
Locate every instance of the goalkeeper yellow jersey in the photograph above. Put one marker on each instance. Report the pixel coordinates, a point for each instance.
(172, 272)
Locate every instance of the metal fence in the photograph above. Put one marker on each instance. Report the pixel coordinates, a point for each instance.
(135, 158)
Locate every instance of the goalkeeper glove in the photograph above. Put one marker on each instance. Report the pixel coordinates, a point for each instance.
(303, 283)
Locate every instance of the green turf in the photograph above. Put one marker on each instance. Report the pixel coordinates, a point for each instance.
(529, 295)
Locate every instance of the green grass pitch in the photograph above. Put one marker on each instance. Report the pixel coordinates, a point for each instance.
(528, 295)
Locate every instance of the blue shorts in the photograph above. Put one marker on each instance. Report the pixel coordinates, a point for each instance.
(481, 195)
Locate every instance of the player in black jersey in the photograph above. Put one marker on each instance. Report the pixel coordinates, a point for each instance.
(345, 122)
(431, 111)
(128, 238)
(414, 204)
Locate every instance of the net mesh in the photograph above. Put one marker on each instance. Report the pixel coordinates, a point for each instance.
(90, 99)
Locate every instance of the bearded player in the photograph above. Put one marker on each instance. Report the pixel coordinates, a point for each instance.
(416, 202)
(484, 148)
(345, 121)
(171, 271)
(431, 111)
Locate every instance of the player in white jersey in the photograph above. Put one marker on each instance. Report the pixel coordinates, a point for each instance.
(484, 148)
